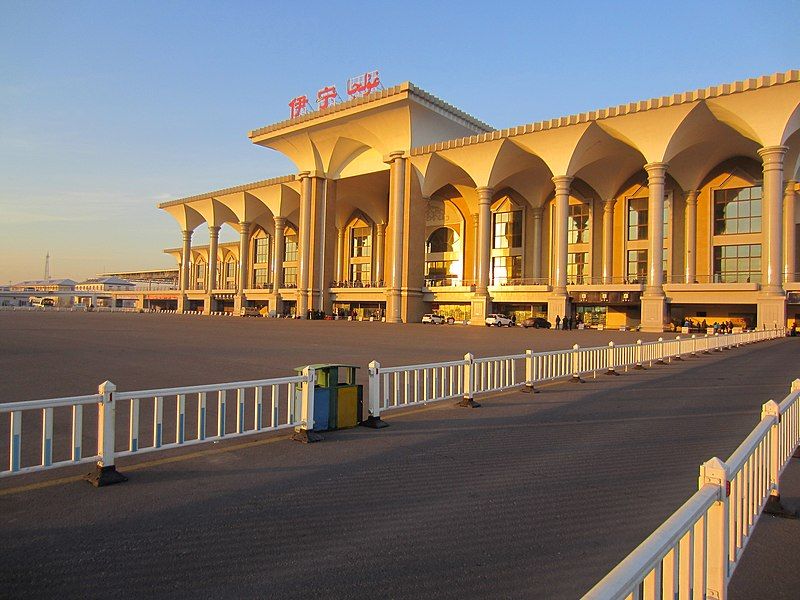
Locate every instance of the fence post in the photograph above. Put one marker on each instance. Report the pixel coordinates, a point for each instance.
(610, 360)
(639, 364)
(774, 506)
(576, 374)
(708, 345)
(106, 471)
(469, 383)
(660, 360)
(715, 472)
(305, 432)
(678, 356)
(694, 346)
(529, 373)
(374, 397)
(717, 342)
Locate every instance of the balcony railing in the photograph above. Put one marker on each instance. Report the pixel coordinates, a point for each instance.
(357, 284)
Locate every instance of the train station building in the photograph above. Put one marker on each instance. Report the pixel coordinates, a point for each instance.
(641, 214)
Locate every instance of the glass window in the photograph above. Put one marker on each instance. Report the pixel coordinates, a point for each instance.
(506, 269)
(737, 211)
(637, 266)
(507, 229)
(261, 278)
(439, 272)
(262, 250)
(737, 264)
(578, 224)
(360, 272)
(290, 277)
(291, 248)
(360, 242)
(200, 273)
(576, 266)
(665, 228)
(637, 219)
(442, 240)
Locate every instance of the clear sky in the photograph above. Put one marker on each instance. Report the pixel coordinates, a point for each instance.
(107, 108)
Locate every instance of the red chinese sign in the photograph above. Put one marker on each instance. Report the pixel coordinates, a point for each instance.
(298, 106)
(363, 84)
(327, 96)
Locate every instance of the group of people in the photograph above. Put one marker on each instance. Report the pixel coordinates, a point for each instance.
(568, 322)
(724, 327)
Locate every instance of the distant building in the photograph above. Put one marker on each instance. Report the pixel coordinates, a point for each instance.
(154, 279)
(44, 285)
(104, 284)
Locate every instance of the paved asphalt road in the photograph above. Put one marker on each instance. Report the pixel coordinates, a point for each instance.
(530, 496)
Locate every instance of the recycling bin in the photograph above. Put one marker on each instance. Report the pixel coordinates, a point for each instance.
(337, 403)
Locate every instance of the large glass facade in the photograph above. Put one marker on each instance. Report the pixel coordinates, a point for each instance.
(578, 224)
(637, 219)
(577, 267)
(737, 264)
(440, 272)
(507, 229)
(360, 242)
(262, 250)
(737, 210)
(506, 269)
(637, 266)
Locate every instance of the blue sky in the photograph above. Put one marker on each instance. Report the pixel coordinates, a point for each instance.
(108, 108)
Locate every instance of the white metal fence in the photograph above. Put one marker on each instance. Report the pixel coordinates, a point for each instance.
(693, 554)
(411, 385)
(143, 421)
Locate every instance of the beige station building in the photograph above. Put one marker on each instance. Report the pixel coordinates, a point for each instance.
(639, 215)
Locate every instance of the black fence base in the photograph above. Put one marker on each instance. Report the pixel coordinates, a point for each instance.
(468, 403)
(104, 476)
(529, 389)
(374, 423)
(640, 368)
(304, 436)
(576, 379)
(611, 372)
(776, 509)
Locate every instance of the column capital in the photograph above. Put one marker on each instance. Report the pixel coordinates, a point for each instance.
(244, 226)
(608, 205)
(214, 229)
(656, 169)
(537, 211)
(280, 222)
(484, 194)
(562, 183)
(394, 155)
(380, 228)
(303, 174)
(691, 196)
(772, 154)
(790, 185)
(187, 234)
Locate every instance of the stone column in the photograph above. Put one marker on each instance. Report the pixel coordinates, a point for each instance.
(213, 235)
(340, 262)
(789, 259)
(379, 246)
(303, 243)
(537, 243)
(279, 253)
(186, 258)
(560, 241)
(484, 240)
(690, 239)
(608, 240)
(771, 302)
(397, 177)
(475, 271)
(244, 243)
(654, 305)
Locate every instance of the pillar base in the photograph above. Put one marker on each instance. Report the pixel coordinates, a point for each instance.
(771, 311)
(104, 476)
(305, 436)
(612, 372)
(183, 302)
(529, 389)
(557, 306)
(576, 379)
(480, 307)
(468, 403)
(654, 312)
(640, 368)
(374, 423)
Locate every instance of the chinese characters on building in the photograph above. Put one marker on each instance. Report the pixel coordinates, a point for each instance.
(358, 86)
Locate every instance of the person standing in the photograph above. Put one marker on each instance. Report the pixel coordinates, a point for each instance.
(558, 322)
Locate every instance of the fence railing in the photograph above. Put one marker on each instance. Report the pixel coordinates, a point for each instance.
(144, 421)
(694, 553)
(411, 385)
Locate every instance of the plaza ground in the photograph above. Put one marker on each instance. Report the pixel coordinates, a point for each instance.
(530, 496)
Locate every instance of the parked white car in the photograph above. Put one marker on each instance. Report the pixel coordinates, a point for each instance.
(498, 320)
(433, 319)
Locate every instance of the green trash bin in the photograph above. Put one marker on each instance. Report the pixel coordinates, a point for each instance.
(337, 403)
